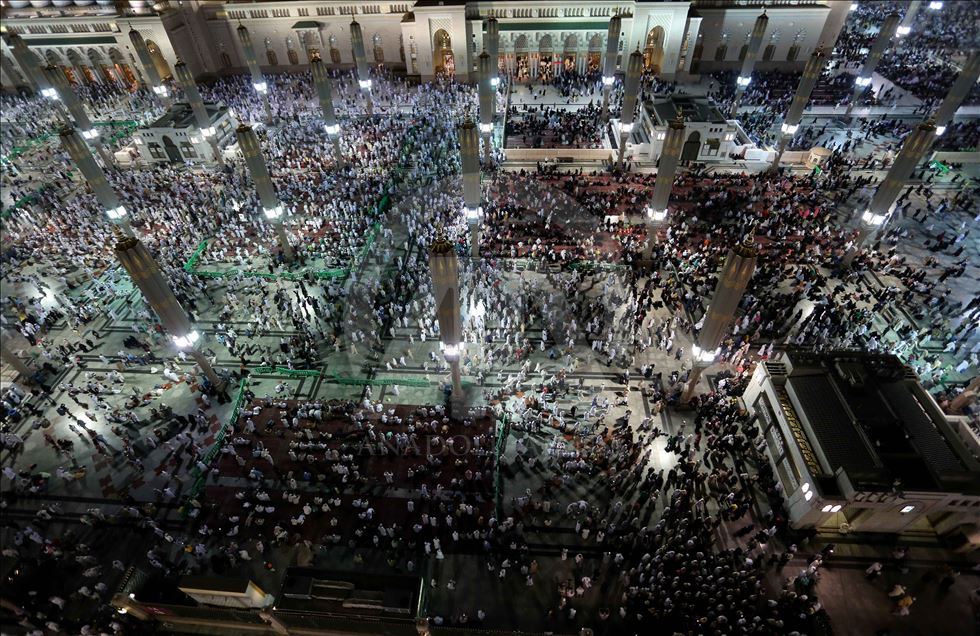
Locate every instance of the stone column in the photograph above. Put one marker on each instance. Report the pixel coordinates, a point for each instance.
(488, 103)
(631, 86)
(814, 66)
(609, 64)
(734, 278)
(186, 80)
(268, 198)
(66, 95)
(748, 64)
(656, 212)
(836, 17)
(881, 43)
(27, 61)
(363, 73)
(324, 94)
(148, 277)
(905, 27)
(957, 92)
(444, 267)
(149, 69)
(8, 357)
(882, 203)
(258, 80)
(493, 49)
(469, 151)
(96, 179)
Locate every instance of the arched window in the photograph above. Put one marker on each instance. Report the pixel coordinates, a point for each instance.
(721, 52)
(334, 55)
(293, 56)
(379, 52)
(225, 60)
(272, 57)
(794, 52)
(743, 52)
(768, 54)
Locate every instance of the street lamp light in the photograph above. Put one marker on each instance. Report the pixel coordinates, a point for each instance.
(186, 342)
(273, 213)
(873, 219)
(789, 129)
(365, 84)
(261, 87)
(332, 129)
(608, 80)
(161, 91)
(50, 93)
(116, 213)
(935, 5)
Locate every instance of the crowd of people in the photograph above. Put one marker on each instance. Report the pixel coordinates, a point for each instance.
(561, 295)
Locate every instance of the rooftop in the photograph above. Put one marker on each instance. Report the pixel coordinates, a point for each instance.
(694, 109)
(180, 115)
(868, 416)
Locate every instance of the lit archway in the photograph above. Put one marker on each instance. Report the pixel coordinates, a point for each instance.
(569, 58)
(546, 54)
(594, 61)
(523, 70)
(653, 51)
(443, 60)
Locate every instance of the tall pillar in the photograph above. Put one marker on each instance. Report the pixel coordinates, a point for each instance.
(324, 94)
(258, 80)
(488, 103)
(186, 80)
(444, 268)
(814, 66)
(66, 94)
(748, 64)
(493, 48)
(363, 73)
(957, 92)
(149, 69)
(836, 17)
(670, 155)
(735, 275)
(905, 27)
(881, 43)
(883, 202)
(271, 206)
(8, 357)
(96, 179)
(609, 64)
(148, 277)
(469, 151)
(27, 61)
(631, 86)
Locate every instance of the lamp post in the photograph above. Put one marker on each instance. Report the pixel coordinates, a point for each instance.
(609, 64)
(882, 203)
(148, 277)
(748, 64)
(493, 48)
(324, 94)
(670, 155)
(814, 66)
(881, 43)
(363, 74)
(271, 207)
(27, 61)
(488, 105)
(149, 69)
(469, 150)
(735, 275)
(258, 80)
(631, 86)
(96, 179)
(957, 92)
(444, 268)
(186, 81)
(64, 93)
(905, 27)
